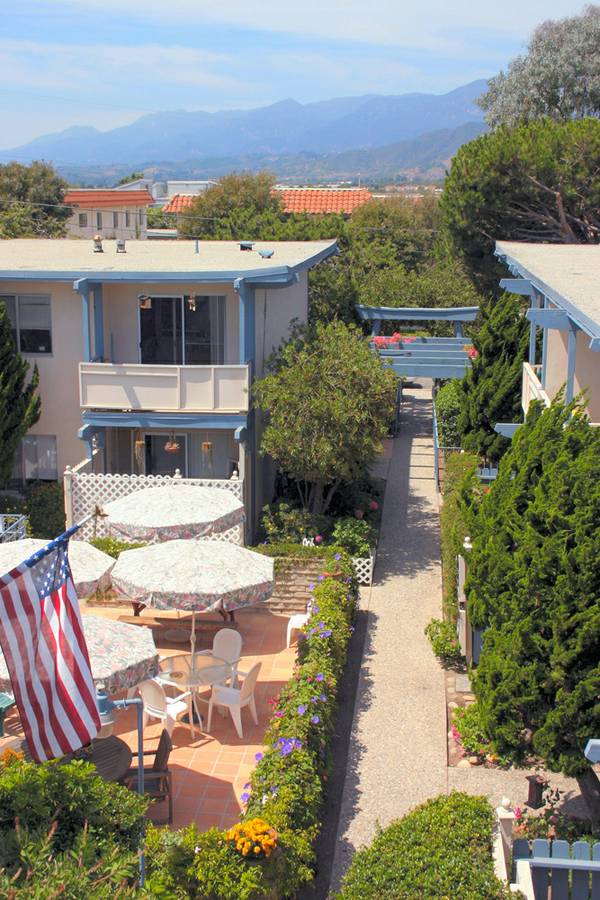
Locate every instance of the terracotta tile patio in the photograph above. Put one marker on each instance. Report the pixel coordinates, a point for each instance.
(210, 771)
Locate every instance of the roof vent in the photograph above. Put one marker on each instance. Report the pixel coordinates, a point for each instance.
(246, 245)
(98, 243)
(266, 254)
(121, 246)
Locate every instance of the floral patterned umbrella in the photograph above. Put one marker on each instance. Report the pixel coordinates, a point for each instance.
(172, 512)
(121, 655)
(196, 576)
(90, 567)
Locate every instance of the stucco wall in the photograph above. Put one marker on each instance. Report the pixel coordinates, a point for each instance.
(137, 229)
(587, 368)
(275, 309)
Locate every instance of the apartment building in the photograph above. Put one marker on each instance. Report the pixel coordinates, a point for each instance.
(112, 213)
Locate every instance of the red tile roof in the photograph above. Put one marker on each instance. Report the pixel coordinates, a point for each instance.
(103, 199)
(178, 203)
(323, 200)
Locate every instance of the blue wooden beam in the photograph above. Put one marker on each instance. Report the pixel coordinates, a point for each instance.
(571, 354)
(506, 429)
(98, 322)
(517, 286)
(549, 318)
(172, 421)
(432, 369)
(247, 336)
(417, 313)
(418, 352)
(84, 290)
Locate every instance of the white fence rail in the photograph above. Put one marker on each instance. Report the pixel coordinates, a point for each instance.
(13, 527)
(86, 490)
(532, 387)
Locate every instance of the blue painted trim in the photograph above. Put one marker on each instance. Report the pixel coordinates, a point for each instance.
(240, 434)
(85, 322)
(571, 355)
(517, 286)
(247, 320)
(171, 421)
(391, 313)
(98, 322)
(535, 300)
(506, 429)
(549, 318)
(544, 348)
(584, 322)
(431, 369)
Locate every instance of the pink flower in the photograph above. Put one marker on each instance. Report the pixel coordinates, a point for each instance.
(359, 514)
(373, 505)
(518, 813)
(318, 539)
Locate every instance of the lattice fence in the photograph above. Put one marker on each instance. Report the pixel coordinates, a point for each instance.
(85, 490)
(364, 566)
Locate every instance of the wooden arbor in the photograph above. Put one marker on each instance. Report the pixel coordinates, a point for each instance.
(426, 357)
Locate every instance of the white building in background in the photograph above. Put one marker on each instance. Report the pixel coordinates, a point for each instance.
(109, 212)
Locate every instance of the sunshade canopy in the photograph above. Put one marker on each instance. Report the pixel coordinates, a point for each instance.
(89, 566)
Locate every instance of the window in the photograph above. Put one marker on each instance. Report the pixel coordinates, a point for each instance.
(127, 218)
(83, 220)
(115, 219)
(29, 316)
(98, 220)
(39, 458)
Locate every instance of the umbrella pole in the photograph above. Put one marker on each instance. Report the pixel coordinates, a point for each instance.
(193, 640)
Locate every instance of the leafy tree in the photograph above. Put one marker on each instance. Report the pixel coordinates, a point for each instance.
(31, 201)
(20, 404)
(135, 176)
(558, 77)
(157, 218)
(329, 402)
(238, 207)
(491, 389)
(536, 182)
(534, 584)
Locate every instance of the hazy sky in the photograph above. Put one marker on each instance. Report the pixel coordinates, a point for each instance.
(105, 62)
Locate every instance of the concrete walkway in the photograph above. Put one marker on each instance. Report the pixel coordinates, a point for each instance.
(398, 749)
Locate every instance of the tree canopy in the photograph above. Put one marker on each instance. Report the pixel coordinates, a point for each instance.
(491, 389)
(559, 76)
(329, 403)
(20, 405)
(30, 201)
(534, 584)
(536, 182)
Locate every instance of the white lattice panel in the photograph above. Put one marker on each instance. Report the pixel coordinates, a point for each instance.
(89, 490)
(363, 567)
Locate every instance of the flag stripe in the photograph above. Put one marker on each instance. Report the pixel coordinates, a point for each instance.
(42, 638)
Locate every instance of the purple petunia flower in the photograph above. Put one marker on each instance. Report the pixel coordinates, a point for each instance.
(315, 609)
(245, 797)
(337, 557)
(327, 633)
(321, 578)
(311, 587)
(247, 785)
(301, 710)
(287, 745)
(314, 699)
(321, 625)
(320, 677)
(258, 756)
(315, 720)
(323, 698)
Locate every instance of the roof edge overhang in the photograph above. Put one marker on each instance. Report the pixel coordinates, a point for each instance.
(392, 313)
(138, 419)
(578, 318)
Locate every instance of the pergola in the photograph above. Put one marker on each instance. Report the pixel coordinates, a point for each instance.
(426, 357)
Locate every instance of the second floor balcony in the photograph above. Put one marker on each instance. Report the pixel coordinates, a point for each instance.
(531, 388)
(164, 388)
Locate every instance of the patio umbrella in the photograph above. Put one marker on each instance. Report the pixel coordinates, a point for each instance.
(121, 655)
(173, 511)
(89, 566)
(195, 576)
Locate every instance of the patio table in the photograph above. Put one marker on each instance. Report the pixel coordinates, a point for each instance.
(111, 756)
(205, 671)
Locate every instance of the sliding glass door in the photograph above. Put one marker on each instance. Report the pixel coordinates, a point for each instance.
(186, 330)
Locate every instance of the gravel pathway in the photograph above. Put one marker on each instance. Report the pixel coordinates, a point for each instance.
(397, 756)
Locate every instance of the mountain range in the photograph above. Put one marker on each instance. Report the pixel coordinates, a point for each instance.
(369, 133)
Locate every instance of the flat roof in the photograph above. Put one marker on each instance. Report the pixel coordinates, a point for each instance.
(63, 259)
(568, 274)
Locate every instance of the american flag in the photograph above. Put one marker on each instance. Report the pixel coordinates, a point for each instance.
(41, 636)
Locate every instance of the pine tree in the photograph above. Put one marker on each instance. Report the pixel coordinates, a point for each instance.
(534, 585)
(20, 405)
(492, 388)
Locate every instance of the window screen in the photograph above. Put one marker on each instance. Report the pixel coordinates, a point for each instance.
(34, 324)
(39, 457)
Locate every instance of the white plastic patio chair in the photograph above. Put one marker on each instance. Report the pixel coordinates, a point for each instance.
(157, 705)
(297, 622)
(227, 645)
(235, 699)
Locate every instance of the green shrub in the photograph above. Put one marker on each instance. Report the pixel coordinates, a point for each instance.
(468, 729)
(440, 850)
(45, 506)
(66, 798)
(112, 546)
(284, 523)
(448, 404)
(444, 640)
(286, 788)
(459, 480)
(357, 536)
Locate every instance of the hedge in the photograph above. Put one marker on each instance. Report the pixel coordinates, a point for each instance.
(459, 478)
(440, 850)
(287, 786)
(448, 404)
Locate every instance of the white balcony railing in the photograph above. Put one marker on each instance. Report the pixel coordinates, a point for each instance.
(532, 387)
(163, 388)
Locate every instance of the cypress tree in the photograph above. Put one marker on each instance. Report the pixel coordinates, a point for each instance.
(534, 585)
(20, 405)
(491, 390)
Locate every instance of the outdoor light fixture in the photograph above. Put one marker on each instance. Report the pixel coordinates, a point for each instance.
(207, 454)
(191, 302)
(98, 243)
(144, 301)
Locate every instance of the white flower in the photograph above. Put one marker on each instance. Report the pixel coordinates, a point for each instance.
(265, 797)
